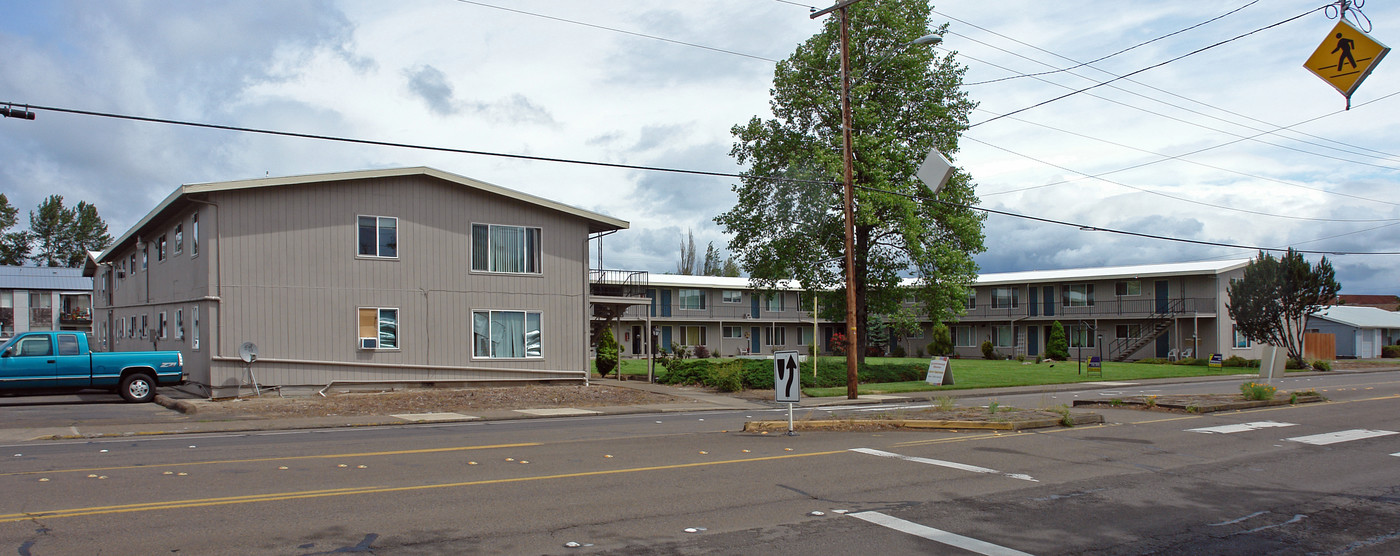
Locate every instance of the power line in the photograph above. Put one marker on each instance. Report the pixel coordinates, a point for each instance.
(414, 146)
(1135, 72)
(1102, 58)
(1088, 228)
(616, 30)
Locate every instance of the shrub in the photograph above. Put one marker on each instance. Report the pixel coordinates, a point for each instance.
(838, 343)
(919, 353)
(1039, 358)
(1235, 361)
(988, 352)
(1292, 364)
(1021, 357)
(1057, 347)
(874, 351)
(726, 377)
(607, 352)
(1322, 365)
(685, 372)
(1256, 391)
(702, 352)
(678, 351)
(942, 343)
(898, 351)
(1390, 351)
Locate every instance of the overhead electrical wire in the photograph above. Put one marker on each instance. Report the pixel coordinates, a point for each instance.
(1089, 228)
(1105, 57)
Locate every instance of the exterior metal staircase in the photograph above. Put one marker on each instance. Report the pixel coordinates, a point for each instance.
(1157, 324)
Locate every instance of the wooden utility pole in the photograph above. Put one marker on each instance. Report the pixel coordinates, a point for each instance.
(848, 162)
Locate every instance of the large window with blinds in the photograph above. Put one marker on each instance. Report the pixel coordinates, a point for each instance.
(514, 249)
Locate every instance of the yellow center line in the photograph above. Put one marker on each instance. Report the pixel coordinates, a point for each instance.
(280, 496)
(280, 458)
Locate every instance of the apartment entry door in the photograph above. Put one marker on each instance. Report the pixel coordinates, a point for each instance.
(636, 340)
(1033, 339)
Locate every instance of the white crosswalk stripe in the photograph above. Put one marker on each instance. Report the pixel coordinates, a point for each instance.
(1241, 427)
(1340, 436)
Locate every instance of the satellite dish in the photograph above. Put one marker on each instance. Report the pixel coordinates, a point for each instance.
(248, 352)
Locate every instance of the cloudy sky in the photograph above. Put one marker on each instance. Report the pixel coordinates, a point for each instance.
(1237, 144)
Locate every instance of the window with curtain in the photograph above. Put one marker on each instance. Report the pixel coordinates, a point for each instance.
(963, 336)
(513, 249)
(1006, 298)
(775, 303)
(1002, 336)
(1078, 295)
(692, 299)
(378, 236)
(506, 334)
(733, 296)
(194, 234)
(179, 238)
(693, 335)
(1080, 336)
(382, 324)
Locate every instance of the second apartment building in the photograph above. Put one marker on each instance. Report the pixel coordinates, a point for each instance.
(1121, 313)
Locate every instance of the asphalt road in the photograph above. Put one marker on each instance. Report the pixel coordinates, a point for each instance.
(1145, 482)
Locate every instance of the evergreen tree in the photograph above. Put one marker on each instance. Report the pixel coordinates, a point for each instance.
(1271, 303)
(1057, 347)
(607, 352)
(788, 221)
(14, 246)
(65, 235)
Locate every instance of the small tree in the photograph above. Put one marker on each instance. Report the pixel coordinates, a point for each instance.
(1057, 347)
(989, 352)
(607, 352)
(1271, 303)
(942, 343)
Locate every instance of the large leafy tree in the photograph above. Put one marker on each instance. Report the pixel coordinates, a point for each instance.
(788, 221)
(65, 235)
(14, 246)
(1271, 303)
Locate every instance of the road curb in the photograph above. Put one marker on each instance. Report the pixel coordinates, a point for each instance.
(178, 405)
(842, 424)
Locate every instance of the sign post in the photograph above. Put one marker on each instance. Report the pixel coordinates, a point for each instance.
(787, 384)
(1345, 58)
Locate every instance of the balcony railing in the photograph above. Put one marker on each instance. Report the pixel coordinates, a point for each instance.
(618, 283)
(1109, 308)
(716, 312)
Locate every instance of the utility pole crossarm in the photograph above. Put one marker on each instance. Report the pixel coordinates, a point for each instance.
(838, 6)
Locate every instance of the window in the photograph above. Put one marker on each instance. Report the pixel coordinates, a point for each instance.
(68, 344)
(1078, 295)
(180, 324)
(775, 303)
(160, 248)
(194, 235)
(1130, 287)
(1241, 341)
(733, 296)
(505, 249)
(160, 325)
(379, 237)
(692, 300)
(1079, 336)
(133, 263)
(34, 346)
(1006, 298)
(1124, 331)
(775, 336)
(131, 327)
(506, 334)
(194, 326)
(179, 238)
(145, 325)
(693, 335)
(145, 256)
(1003, 336)
(733, 332)
(40, 311)
(804, 336)
(963, 336)
(7, 323)
(804, 301)
(379, 328)
(971, 299)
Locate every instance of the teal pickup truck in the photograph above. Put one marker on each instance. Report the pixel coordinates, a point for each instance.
(36, 362)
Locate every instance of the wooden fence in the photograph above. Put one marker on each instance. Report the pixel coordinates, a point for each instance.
(1317, 345)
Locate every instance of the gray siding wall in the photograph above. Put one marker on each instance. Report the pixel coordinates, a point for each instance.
(292, 283)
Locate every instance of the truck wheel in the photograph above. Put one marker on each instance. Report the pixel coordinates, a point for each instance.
(138, 387)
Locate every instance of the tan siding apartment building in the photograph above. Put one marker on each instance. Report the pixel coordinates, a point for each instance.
(408, 275)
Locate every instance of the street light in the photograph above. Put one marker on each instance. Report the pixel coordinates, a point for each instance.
(848, 164)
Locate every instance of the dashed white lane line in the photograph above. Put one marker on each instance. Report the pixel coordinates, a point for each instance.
(1241, 427)
(941, 463)
(937, 535)
(1341, 436)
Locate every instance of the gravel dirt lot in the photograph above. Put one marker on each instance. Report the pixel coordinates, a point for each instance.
(431, 400)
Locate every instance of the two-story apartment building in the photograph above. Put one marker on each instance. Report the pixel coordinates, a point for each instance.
(44, 298)
(405, 275)
(1121, 313)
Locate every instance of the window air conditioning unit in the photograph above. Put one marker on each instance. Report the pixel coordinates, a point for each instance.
(748, 315)
(369, 343)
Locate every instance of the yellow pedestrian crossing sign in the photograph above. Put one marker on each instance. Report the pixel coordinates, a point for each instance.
(1345, 58)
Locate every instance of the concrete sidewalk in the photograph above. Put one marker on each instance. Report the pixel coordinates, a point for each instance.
(179, 419)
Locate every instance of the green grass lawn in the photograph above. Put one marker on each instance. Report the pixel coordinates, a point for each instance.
(982, 373)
